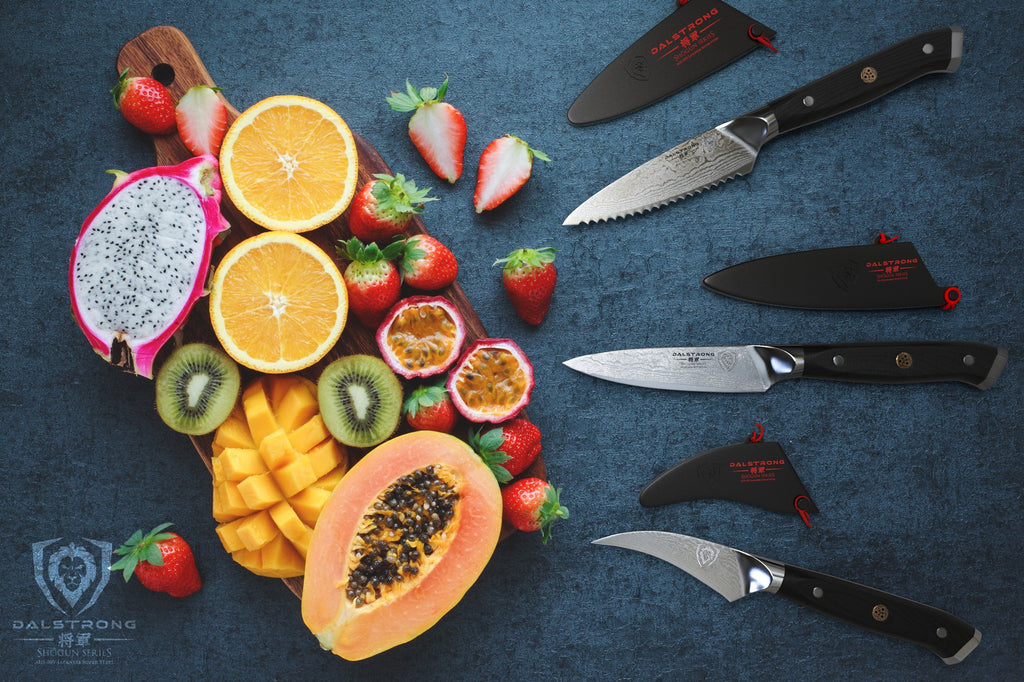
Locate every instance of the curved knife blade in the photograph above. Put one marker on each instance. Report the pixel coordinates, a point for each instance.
(731, 148)
(734, 574)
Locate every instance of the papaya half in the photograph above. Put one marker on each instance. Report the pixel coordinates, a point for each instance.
(402, 538)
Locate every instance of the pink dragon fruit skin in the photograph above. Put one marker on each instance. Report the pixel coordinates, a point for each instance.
(141, 259)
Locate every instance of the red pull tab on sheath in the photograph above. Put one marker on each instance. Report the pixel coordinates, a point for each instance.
(882, 239)
(755, 34)
(757, 434)
(802, 512)
(952, 296)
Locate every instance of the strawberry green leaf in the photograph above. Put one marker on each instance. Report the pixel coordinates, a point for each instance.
(550, 511)
(486, 447)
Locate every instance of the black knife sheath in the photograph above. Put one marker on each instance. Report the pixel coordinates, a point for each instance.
(697, 39)
(872, 277)
(756, 473)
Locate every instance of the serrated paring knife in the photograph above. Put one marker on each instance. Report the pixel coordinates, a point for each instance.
(735, 574)
(754, 369)
(731, 148)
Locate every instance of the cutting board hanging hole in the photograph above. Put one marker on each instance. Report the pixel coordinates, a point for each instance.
(163, 73)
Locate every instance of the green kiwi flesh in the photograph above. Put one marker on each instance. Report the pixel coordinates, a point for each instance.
(360, 400)
(196, 388)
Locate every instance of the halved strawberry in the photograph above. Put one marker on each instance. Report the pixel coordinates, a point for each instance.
(202, 119)
(505, 166)
(437, 128)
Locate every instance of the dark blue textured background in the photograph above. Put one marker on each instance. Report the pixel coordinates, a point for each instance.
(919, 487)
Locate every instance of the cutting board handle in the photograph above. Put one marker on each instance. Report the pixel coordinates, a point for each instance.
(166, 54)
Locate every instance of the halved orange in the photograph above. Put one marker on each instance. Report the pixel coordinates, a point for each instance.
(289, 163)
(278, 302)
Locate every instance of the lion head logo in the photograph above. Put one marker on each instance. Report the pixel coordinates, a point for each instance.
(727, 359)
(71, 575)
(637, 69)
(706, 555)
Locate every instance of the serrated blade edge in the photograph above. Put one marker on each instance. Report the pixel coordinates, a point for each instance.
(711, 158)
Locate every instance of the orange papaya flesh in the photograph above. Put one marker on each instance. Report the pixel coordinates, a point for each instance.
(369, 530)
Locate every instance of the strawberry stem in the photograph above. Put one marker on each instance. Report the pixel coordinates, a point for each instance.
(486, 447)
(141, 547)
(550, 511)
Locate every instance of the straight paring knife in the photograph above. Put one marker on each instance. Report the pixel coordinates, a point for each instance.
(735, 574)
(754, 369)
(731, 148)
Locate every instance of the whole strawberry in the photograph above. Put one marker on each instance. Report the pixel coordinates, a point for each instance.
(529, 277)
(384, 207)
(505, 166)
(429, 408)
(372, 279)
(532, 504)
(202, 120)
(145, 103)
(508, 449)
(427, 264)
(162, 562)
(436, 128)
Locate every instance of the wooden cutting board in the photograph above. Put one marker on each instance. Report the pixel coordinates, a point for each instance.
(166, 54)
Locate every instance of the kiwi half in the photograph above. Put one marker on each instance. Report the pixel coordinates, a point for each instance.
(360, 400)
(196, 388)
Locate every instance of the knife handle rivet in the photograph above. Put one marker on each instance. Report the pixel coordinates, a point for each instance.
(904, 360)
(818, 592)
(928, 48)
(941, 633)
(838, 360)
(880, 613)
(969, 360)
(808, 101)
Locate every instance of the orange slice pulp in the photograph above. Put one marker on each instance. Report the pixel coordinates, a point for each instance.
(278, 302)
(289, 163)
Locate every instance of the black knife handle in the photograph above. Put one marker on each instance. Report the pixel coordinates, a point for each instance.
(868, 79)
(943, 633)
(977, 364)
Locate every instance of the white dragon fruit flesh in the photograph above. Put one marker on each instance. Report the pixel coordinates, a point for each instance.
(141, 259)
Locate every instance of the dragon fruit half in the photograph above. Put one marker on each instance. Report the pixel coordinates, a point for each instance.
(141, 259)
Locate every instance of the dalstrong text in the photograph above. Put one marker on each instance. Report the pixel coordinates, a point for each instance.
(73, 624)
(688, 32)
(889, 263)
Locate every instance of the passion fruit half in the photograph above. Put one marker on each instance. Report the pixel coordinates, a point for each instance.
(421, 336)
(491, 381)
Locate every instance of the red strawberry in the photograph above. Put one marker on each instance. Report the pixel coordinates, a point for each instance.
(429, 408)
(529, 277)
(427, 264)
(508, 449)
(532, 504)
(372, 279)
(202, 119)
(384, 207)
(145, 103)
(505, 166)
(436, 128)
(163, 562)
